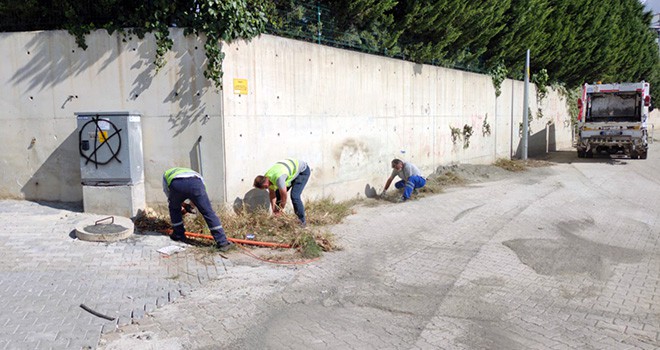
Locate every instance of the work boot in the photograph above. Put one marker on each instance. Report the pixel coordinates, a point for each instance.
(225, 247)
(179, 238)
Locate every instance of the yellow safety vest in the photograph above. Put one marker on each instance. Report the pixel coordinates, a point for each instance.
(171, 174)
(287, 167)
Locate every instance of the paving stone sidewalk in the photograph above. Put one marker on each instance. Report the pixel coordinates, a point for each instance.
(561, 257)
(46, 274)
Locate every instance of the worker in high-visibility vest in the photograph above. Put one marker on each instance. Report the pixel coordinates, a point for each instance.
(180, 184)
(289, 174)
(411, 178)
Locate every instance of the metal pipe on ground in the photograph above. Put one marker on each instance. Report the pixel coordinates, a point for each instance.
(235, 240)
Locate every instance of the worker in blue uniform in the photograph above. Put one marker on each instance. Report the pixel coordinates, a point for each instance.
(411, 178)
(180, 184)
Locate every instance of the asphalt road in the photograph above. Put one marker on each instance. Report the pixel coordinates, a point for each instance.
(564, 256)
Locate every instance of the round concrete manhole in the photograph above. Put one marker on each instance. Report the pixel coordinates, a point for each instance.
(108, 229)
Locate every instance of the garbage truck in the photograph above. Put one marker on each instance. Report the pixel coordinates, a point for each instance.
(613, 118)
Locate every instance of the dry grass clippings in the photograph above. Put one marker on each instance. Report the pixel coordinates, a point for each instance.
(309, 242)
(511, 164)
(517, 165)
(328, 212)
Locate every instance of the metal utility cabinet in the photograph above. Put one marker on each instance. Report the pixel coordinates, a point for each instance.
(110, 148)
(111, 162)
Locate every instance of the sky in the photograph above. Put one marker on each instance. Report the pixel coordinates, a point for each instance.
(652, 5)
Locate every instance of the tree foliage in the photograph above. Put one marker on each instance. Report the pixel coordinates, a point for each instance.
(575, 41)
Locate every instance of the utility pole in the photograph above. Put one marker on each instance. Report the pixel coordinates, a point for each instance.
(318, 21)
(525, 135)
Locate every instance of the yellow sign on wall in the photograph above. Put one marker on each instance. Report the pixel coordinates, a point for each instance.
(240, 86)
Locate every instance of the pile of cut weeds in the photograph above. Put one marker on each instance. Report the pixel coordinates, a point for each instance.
(309, 242)
(455, 175)
(517, 165)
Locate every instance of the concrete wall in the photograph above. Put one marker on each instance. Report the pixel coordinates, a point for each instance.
(46, 78)
(346, 113)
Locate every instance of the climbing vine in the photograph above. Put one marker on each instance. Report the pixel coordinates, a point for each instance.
(218, 21)
(539, 113)
(455, 134)
(461, 134)
(485, 127)
(467, 132)
(498, 74)
(529, 128)
(540, 79)
(570, 96)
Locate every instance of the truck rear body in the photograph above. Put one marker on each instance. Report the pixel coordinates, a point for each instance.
(613, 119)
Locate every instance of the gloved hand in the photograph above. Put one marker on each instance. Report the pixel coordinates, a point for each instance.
(187, 208)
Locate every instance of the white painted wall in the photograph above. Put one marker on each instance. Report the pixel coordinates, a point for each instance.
(346, 113)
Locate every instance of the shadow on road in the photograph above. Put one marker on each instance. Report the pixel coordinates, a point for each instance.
(570, 156)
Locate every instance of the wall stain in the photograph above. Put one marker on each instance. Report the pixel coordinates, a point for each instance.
(350, 148)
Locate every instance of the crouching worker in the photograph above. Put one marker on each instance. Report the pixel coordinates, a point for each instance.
(180, 184)
(411, 178)
(289, 174)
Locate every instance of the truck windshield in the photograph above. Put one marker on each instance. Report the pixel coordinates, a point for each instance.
(614, 107)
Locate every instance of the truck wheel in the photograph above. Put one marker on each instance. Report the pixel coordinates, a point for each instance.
(580, 154)
(642, 155)
(634, 155)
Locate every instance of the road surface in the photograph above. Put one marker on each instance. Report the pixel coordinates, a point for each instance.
(564, 256)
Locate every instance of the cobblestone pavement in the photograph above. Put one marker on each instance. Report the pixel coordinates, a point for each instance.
(46, 274)
(558, 257)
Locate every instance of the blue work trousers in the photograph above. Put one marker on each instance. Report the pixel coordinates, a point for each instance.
(296, 188)
(412, 183)
(193, 188)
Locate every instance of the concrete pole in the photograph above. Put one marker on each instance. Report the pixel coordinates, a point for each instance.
(513, 131)
(525, 136)
(318, 21)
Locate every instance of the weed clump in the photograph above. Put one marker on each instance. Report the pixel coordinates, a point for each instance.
(328, 212)
(448, 178)
(511, 165)
(260, 225)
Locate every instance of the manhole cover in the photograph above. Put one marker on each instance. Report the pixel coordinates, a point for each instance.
(102, 230)
(105, 228)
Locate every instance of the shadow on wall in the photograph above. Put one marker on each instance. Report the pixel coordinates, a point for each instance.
(58, 178)
(49, 66)
(53, 58)
(552, 137)
(540, 143)
(188, 89)
(254, 200)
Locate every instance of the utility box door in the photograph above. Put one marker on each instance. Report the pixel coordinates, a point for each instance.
(110, 145)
